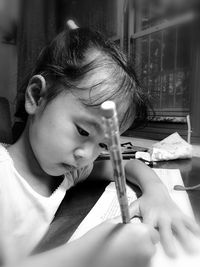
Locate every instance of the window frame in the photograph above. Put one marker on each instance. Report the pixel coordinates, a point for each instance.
(162, 126)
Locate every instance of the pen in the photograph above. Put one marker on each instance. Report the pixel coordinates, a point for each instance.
(111, 128)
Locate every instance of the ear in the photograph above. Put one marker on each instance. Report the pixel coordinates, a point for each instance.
(34, 93)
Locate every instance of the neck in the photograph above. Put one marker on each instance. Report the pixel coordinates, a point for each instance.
(28, 167)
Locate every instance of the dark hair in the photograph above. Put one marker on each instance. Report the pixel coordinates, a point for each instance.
(68, 59)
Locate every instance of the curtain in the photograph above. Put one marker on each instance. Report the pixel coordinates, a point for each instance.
(36, 28)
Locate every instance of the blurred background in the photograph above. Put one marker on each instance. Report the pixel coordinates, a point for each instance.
(161, 37)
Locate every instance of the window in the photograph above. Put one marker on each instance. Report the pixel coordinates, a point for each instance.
(160, 45)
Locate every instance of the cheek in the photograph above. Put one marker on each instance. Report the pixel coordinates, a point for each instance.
(43, 142)
(42, 145)
(54, 142)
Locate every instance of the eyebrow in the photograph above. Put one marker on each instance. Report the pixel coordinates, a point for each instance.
(91, 122)
(87, 118)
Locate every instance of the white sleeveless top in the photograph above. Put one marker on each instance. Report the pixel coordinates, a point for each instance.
(25, 215)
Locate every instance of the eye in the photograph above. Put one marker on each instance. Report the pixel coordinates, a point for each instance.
(81, 131)
(104, 146)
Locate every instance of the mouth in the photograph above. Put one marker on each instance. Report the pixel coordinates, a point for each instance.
(69, 168)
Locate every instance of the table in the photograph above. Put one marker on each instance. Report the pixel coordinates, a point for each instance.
(190, 171)
(80, 199)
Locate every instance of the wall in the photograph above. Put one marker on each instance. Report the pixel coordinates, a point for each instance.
(9, 12)
(8, 73)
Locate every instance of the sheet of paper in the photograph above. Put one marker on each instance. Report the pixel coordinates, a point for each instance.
(107, 207)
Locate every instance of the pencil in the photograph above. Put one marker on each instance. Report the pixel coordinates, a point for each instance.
(111, 128)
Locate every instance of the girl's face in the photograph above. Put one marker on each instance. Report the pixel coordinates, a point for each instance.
(65, 135)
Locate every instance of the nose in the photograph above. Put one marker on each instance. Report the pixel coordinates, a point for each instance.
(86, 153)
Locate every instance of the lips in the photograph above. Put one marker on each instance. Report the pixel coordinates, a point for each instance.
(69, 168)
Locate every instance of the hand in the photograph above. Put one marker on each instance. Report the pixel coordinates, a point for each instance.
(110, 244)
(159, 211)
(127, 245)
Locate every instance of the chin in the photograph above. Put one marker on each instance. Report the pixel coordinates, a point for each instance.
(55, 172)
(59, 170)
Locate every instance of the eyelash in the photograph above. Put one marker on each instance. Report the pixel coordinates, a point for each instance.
(102, 145)
(81, 131)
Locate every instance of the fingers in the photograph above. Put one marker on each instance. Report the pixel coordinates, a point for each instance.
(182, 234)
(192, 225)
(166, 237)
(154, 235)
(71, 24)
(180, 228)
(155, 238)
(185, 231)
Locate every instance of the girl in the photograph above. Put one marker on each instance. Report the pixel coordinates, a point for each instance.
(62, 138)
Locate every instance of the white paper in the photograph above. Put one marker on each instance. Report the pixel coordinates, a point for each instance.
(107, 207)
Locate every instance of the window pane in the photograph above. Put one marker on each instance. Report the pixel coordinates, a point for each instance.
(156, 16)
(150, 14)
(144, 54)
(155, 53)
(167, 100)
(140, 53)
(184, 46)
(163, 67)
(164, 57)
(182, 90)
(169, 49)
(145, 17)
(154, 87)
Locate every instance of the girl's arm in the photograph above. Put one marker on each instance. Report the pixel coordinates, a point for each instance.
(140, 174)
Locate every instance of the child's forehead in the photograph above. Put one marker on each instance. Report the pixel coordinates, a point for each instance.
(100, 88)
(93, 114)
(70, 104)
